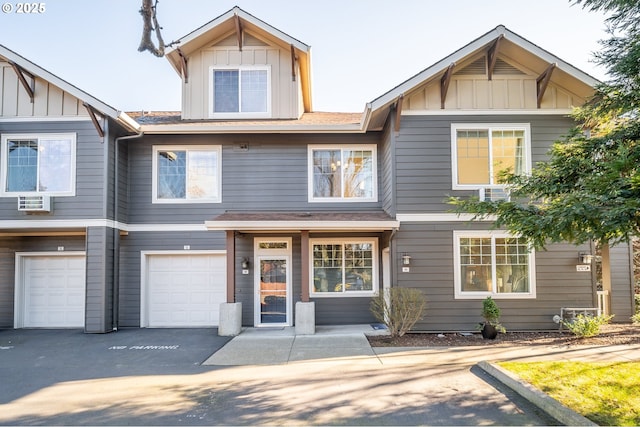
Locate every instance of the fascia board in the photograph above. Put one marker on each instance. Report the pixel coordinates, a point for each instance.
(191, 129)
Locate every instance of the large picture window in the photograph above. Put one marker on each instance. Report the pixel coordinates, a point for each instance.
(39, 164)
(241, 91)
(345, 173)
(186, 174)
(493, 264)
(343, 268)
(481, 152)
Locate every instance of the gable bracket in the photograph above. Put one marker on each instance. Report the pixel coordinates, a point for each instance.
(22, 76)
(238, 31)
(444, 84)
(183, 66)
(399, 112)
(492, 55)
(543, 81)
(94, 119)
(293, 63)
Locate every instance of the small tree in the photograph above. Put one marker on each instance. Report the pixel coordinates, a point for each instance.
(399, 309)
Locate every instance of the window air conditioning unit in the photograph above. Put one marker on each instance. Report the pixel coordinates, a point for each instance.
(493, 194)
(34, 203)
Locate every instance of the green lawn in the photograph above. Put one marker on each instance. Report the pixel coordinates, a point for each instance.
(606, 393)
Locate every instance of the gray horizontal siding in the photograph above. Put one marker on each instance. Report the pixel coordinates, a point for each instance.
(131, 247)
(270, 176)
(432, 268)
(423, 156)
(621, 283)
(90, 179)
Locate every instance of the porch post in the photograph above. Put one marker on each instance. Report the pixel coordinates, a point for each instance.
(304, 270)
(230, 322)
(231, 266)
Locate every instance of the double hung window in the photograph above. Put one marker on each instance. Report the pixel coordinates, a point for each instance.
(39, 164)
(492, 264)
(481, 152)
(240, 92)
(344, 268)
(186, 174)
(343, 173)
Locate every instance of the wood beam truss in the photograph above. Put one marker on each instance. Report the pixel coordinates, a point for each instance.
(492, 55)
(542, 82)
(444, 84)
(238, 31)
(183, 66)
(92, 113)
(293, 63)
(22, 76)
(399, 112)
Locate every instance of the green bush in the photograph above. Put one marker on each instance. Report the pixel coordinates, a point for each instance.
(586, 326)
(400, 310)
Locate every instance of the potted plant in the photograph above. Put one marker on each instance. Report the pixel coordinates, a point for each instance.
(491, 314)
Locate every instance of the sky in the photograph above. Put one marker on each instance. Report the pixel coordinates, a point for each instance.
(360, 48)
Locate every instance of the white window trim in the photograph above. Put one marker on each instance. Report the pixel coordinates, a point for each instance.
(455, 127)
(459, 294)
(344, 294)
(239, 115)
(154, 174)
(4, 155)
(342, 199)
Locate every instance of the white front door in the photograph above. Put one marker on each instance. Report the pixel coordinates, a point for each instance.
(50, 291)
(273, 305)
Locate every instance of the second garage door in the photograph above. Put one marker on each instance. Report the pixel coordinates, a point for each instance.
(184, 290)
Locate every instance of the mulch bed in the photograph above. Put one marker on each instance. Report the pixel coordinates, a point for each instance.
(614, 334)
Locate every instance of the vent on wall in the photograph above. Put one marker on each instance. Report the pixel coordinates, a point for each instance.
(493, 194)
(34, 203)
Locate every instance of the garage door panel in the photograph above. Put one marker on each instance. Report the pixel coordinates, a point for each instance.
(185, 290)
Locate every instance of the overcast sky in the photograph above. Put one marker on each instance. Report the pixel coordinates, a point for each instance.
(360, 48)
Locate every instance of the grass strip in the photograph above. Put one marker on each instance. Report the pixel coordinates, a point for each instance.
(606, 393)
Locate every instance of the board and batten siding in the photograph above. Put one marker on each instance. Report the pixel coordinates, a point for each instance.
(131, 247)
(8, 248)
(100, 283)
(285, 91)
(271, 175)
(622, 283)
(431, 246)
(423, 156)
(48, 101)
(89, 201)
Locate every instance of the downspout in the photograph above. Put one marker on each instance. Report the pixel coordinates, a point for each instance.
(116, 230)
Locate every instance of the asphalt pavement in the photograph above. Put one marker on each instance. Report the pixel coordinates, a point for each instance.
(261, 377)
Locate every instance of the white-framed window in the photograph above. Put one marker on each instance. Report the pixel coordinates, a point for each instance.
(34, 164)
(187, 174)
(343, 267)
(492, 263)
(481, 151)
(345, 173)
(242, 91)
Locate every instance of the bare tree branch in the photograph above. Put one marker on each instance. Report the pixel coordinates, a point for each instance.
(148, 12)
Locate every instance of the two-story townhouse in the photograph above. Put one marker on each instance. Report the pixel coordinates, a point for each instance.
(247, 200)
(58, 238)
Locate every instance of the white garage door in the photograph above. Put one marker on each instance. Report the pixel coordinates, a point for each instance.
(185, 290)
(54, 291)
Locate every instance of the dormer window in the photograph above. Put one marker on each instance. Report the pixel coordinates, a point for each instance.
(240, 92)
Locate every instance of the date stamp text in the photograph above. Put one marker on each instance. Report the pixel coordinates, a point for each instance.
(24, 8)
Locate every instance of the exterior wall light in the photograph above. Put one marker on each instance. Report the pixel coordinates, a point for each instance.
(245, 263)
(585, 258)
(406, 259)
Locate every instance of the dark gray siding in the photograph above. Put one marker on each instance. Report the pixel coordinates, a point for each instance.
(388, 173)
(100, 268)
(130, 261)
(90, 173)
(8, 248)
(423, 156)
(270, 175)
(432, 268)
(622, 291)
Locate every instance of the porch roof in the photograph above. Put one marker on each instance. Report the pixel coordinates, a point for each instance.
(297, 221)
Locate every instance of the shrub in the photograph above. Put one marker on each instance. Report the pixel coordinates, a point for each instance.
(586, 326)
(399, 309)
(490, 310)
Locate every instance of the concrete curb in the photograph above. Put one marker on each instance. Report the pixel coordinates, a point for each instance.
(546, 403)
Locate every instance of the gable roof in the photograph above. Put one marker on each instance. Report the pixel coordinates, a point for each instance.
(105, 109)
(237, 20)
(540, 59)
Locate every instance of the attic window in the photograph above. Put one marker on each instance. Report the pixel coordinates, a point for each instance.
(240, 92)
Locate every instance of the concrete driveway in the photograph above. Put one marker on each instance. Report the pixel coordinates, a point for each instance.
(156, 377)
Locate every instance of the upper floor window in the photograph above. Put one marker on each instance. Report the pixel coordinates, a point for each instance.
(481, 152)
(492, 264)
(39, 164)
(187, 174)
(344, 173)
(344, 267)
(240, 92)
